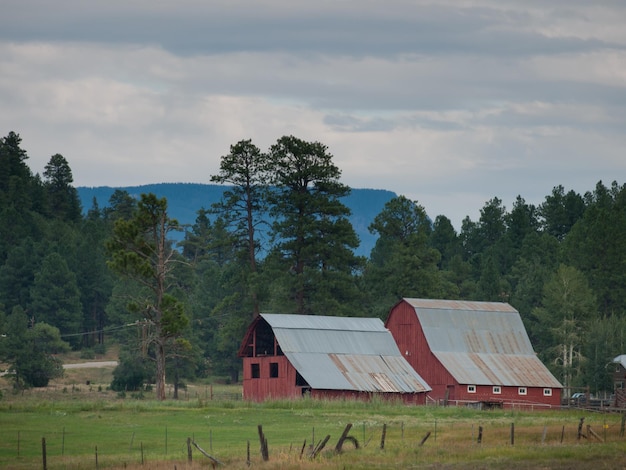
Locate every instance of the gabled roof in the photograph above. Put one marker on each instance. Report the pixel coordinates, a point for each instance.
(344, 353)
(481, 343)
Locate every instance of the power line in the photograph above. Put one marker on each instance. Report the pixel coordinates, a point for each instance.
(103, 330)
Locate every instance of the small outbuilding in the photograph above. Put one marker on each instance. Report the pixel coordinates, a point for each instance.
(290, 356)
(619, 381)
(472, 353)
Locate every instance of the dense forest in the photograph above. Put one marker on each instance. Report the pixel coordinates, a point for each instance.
(280, 240)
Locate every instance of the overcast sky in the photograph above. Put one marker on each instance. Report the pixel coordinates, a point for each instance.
(447, 102)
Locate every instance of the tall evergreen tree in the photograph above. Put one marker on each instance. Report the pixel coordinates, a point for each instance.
(62, 196)
(403, 263)
(314, 240)
(560, 211)
(15, 175)
(141, 251)
(596, 246)
(567, 311)
(445, 239)
(244, 204)
(55, 298)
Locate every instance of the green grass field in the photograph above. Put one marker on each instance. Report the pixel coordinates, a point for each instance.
(88, 426)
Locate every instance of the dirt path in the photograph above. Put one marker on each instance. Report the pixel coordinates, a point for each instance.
(87, 365)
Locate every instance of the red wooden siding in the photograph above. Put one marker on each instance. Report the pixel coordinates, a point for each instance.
(266, 387)
(406, 330)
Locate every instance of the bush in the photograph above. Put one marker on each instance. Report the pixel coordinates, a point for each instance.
(129, 375)
(87, 354)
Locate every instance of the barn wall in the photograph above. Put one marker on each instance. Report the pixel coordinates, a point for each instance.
(409, 336)
(509, 397)
(265, 387)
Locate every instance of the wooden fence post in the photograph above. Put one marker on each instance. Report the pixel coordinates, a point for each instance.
(248, 454)
(320, 446)
(621, 429)
(382, 438)
(424, 439)
(512, 433)
(580, 429)
(343, 437)
(213, 460)
(480, 434)
(43, 453)
(264, 450)
(591, 432)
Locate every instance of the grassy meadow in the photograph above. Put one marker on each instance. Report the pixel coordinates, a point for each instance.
(89, 426)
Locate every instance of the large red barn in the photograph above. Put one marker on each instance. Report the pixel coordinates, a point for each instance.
(472, 353)
(290, 356)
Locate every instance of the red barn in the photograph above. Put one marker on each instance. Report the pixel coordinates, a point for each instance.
(288, 356)
(472, 352)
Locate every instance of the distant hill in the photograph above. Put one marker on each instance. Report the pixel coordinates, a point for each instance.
(185, 199)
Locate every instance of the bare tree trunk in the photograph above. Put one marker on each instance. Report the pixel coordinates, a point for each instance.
(160, 370)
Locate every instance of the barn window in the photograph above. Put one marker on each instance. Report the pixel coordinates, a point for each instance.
(255, 370)
(522, 391)
(471, 389)
(273, 369)
(547, 392)
(497, 390)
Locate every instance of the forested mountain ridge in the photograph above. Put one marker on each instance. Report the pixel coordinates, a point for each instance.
(186, 199)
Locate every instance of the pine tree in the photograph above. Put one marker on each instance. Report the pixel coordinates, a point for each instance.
(314, 239)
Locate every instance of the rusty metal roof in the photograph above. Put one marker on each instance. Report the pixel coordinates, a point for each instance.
(344, 353)
(481, 343)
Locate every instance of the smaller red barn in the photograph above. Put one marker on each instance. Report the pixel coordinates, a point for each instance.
(288, 356)
(472, 352)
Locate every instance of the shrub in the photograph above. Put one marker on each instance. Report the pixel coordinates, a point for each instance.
(87, 354)
(129, 375)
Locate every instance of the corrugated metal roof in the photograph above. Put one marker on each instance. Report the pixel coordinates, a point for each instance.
(461, 305)
(481, 343)
(320, 322)
(344, 353)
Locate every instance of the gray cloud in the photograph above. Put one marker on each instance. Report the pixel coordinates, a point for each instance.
(450, 103)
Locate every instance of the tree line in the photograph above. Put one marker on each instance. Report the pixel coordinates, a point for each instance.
(280, 241)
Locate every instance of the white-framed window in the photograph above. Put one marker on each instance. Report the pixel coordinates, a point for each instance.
(547, 392)
(471, 389)
(497, 390)
(522, 391)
